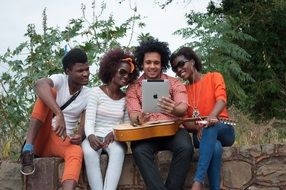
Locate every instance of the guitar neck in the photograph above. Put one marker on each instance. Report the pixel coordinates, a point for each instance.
(201, 120)
(227, 121)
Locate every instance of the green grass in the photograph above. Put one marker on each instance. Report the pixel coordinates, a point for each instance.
(249, 132)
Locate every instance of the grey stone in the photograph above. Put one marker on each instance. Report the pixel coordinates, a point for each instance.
(228, 153)
(10, 176)
(46, 175)
(236, 174)
(282, 149)
(250, 167)
(271, 171)
(268, 149)
(262, 188)
(250, 151)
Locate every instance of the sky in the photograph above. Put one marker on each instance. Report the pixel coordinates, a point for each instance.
(15, 15)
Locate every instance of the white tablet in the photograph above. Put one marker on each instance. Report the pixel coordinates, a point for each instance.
(152, 90)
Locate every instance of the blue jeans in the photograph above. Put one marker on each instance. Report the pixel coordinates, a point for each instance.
(144, 155)
(210, 152)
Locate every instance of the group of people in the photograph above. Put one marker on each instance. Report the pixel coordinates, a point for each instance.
(63, 100)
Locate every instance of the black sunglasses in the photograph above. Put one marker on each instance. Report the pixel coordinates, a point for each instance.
(180, 64)
(123, 73)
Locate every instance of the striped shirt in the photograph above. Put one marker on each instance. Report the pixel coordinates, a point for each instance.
(103, 113)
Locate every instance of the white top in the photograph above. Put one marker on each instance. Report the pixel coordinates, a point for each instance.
(103, 113)
(73, 111)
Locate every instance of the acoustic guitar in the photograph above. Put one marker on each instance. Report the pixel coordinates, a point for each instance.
(127, 132)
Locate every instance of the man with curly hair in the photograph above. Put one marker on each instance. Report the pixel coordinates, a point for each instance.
(152, 57)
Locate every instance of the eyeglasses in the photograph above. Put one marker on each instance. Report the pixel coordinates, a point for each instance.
(123, 73)
(180, 65)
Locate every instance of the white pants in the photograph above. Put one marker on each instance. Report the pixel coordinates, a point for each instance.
(116, 153)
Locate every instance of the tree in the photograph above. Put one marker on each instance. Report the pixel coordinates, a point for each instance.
(265, 21)
(215, 39)
(40, 56)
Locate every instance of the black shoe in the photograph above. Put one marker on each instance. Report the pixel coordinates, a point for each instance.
(27, 163)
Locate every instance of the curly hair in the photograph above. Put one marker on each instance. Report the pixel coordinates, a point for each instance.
(152, 45)
(74, 56)
(189, 54)
(110, 62)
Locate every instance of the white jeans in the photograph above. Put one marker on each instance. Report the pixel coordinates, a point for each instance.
(116, 153)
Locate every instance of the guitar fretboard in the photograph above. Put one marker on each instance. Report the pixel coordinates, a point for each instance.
(201, 121)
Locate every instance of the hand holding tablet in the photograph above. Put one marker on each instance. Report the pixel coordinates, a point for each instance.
(166, 105)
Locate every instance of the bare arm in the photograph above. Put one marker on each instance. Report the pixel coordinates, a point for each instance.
(43, 90)
(212, 118)
(180, 109)
(217, 109)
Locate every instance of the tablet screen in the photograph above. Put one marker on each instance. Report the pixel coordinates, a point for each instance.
(152, 90)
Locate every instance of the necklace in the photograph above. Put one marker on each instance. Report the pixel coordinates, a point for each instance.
(70, 90)
(195, 96)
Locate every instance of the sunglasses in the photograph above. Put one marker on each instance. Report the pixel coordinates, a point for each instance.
(124, 73)
(180, 65)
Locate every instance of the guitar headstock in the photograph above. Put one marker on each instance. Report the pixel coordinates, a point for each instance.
(227, 121)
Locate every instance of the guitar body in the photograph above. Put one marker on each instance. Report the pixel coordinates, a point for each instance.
(127, 132)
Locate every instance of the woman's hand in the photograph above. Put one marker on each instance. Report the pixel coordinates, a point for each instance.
(194, 128)
(108, 139)
(199, 133)
(190, 126)
(94, 142)
(212, 120)
(208, 121)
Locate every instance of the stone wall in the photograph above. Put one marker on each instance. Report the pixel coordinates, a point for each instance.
(255, 167)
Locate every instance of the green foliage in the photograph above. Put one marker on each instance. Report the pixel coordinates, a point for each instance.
(265, 20)
(41, 56)
(144, 37)
(215, 39)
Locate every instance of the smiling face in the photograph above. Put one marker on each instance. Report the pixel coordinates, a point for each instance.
(183, 67)
(152, 65)
(122, 76)
(78, 74)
